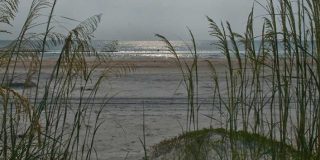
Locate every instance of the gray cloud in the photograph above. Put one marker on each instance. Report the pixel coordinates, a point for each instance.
(140, 19)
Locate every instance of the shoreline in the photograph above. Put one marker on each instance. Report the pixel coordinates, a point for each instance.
(139, 63)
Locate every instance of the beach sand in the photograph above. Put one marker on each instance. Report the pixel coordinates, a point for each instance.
(156, 86)
(153, 85)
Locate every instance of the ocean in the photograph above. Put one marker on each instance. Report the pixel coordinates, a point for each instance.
(128, 50)
(157, 49)
(141, 49)
(135, 50)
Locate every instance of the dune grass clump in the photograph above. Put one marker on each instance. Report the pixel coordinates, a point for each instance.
(215, 144)
(272, 88)
(190, 80)
(42, 121)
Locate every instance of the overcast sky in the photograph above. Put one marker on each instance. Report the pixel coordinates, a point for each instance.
(141, 19)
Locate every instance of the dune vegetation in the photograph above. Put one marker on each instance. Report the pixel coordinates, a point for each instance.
(41, 119)
(269, 104)
(272, 89)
